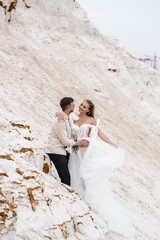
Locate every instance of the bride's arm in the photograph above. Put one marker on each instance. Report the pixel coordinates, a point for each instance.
(60, 116)
(105, 138)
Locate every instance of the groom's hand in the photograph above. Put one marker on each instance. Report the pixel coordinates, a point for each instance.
(83, 143)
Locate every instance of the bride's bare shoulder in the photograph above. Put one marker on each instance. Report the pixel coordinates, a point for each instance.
(93, 121)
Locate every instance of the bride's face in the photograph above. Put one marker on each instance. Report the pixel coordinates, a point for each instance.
(84, 107)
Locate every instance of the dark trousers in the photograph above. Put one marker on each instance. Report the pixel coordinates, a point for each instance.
(61, 164)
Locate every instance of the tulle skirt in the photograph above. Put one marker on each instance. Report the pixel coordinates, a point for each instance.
(90, 170)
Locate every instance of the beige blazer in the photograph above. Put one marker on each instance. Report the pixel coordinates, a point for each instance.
(60, 137)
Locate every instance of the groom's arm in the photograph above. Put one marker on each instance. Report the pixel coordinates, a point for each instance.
(61, 132)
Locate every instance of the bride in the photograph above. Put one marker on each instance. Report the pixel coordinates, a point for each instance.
(91, 167)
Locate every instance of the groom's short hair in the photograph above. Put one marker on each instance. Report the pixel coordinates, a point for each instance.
(65, 102)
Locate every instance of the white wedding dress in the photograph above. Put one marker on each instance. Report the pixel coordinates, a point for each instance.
(90, 169)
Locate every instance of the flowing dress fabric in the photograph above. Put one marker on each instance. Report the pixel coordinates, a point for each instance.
(76, 157)
(90, 169)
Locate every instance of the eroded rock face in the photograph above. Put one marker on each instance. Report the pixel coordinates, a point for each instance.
(64, 15)
(49, 50)
(35, 205)
(17, 140)
(8, 6)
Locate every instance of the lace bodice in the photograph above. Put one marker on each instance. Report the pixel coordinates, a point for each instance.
(83, 131)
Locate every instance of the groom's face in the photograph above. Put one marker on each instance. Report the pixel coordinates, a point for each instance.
(71, 107)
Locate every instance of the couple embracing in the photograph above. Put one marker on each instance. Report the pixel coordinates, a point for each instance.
(85, 158)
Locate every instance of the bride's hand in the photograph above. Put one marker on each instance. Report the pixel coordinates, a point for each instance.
(60, 117)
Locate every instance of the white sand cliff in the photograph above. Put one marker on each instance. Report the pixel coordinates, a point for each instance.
(49, 49)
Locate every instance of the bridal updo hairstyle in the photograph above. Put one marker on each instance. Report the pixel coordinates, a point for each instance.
(90, 113)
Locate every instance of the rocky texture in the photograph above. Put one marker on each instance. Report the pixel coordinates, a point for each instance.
(17, 140)
(49, 50)
(34, 204)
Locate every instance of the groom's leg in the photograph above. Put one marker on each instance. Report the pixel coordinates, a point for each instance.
(68, 155)
(61, 164)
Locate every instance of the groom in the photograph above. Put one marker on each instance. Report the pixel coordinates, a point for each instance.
(60, 138)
